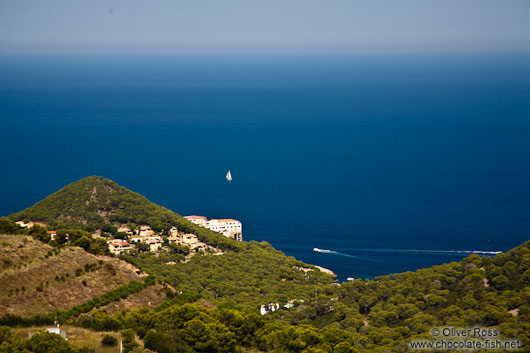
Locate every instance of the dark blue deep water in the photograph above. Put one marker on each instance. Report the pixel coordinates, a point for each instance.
(393, 163)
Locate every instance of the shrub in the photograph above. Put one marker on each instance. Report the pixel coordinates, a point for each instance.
(44, 342)
(84, 320)
(127, 335)
(110, 268)
(109, 341)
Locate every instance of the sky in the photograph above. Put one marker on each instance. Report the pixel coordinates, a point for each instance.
(262, 26)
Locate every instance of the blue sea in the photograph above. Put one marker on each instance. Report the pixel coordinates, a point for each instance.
(385, 163)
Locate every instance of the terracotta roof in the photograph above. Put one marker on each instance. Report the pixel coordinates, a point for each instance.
(226, 220)
(195, 217)
(122, 243)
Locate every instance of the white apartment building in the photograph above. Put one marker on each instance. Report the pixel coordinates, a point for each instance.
(230, 228)
(200, 220)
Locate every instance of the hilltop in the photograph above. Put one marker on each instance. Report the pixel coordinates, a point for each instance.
(101, 206)
(93, 203)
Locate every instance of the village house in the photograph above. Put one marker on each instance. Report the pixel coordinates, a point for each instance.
(52, 234)
(190, 240)
(149, 239)
(155, 241)
(154, 246)
(119, 246)
(125, 229)
(57, 330)
(30, 224)
(145, 231)
(22, 224)
(174, 239)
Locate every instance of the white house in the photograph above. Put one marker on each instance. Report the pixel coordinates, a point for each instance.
(57, 331)
(268, 308)
(291, 303)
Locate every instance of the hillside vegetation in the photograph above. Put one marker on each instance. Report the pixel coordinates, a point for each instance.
(381, 315)
(212, 302)
(246, 279)
(37, 278)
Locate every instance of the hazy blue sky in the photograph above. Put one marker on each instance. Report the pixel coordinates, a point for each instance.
(262, 26)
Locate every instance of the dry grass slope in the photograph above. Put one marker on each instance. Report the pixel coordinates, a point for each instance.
(149, 297)
(19, 250)
(79, 337)
(36, 283)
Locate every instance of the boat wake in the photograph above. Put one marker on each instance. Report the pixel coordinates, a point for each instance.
(417, 251)
(326, 251)
(431, 251)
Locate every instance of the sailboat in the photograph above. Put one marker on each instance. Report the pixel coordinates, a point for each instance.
(229, 175)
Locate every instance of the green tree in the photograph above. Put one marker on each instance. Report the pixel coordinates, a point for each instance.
(501, 282)
(40, 233)
(8, 226)
(109, 341)
(83, 242)
(163, 343)
(46, 342)
(84, 320)
(142, 247)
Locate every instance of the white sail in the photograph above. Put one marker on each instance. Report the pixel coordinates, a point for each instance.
(229, 176)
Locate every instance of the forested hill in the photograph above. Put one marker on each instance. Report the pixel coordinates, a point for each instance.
(212, 300)
(98, 204)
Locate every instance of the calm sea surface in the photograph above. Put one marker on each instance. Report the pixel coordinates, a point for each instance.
(386, 163)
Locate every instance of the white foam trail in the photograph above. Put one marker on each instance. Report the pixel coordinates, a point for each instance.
(430, 251)
(326, 251)
(418, 251)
